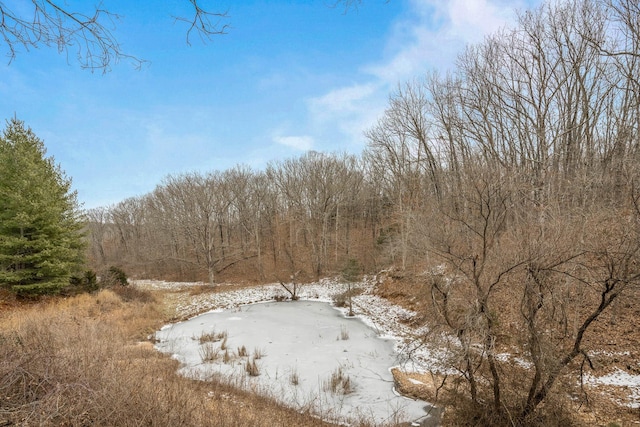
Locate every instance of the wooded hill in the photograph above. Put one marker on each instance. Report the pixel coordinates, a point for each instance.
(536, 128)
(509, 187)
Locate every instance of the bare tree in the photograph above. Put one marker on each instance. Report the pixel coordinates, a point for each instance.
(98, 222)
(405, 159)
(315, 188)
(534, 140)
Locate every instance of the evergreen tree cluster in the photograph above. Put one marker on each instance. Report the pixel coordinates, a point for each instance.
(41, 237)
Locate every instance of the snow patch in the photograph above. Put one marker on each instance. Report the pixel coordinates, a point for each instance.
(620, 378)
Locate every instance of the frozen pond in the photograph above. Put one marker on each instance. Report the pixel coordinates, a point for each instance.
(303, 353)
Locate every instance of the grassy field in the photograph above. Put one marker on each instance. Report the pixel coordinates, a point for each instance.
(86, 360)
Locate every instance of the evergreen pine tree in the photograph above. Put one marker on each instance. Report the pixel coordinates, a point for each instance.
(41, 239)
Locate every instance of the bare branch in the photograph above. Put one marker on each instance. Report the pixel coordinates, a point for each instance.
(205, 24)
(89, 36)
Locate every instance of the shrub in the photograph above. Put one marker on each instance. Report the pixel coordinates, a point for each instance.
(130, 293)
(87, 282)
(279, 297)
(113, 276)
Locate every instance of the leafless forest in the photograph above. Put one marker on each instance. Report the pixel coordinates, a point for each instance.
(509, 188)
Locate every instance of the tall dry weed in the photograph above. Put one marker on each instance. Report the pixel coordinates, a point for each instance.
(79, 362)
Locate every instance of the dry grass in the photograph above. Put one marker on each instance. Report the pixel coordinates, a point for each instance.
(425, 386)
(204, 288)
(344, 333)
(294, 378)
(78, 362)
(252, 368)
(339, 382)
(209, 352)
(242, 351)
(213, 337)
(258, 353)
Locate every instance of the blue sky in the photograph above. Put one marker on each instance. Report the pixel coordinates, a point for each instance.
(289, 76)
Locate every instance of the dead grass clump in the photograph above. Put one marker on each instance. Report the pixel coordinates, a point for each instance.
(242, 351)
(223, 343)
(339, 382)
(344, 333)
(294, 378)
(252, 368)
(258, 353)
(213, 336)
(209, 352)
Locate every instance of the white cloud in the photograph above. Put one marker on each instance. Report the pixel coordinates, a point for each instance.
(436, 31)
(343, 107)
(301, 143)
(473, 19)
(343, 99)
(428, 36)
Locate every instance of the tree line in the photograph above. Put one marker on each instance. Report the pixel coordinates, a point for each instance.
(300, 217)
(548, 109)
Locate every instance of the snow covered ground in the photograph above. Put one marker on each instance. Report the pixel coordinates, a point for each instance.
(305, 346)
(305, 354)
(620, 379)
(388, 320)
